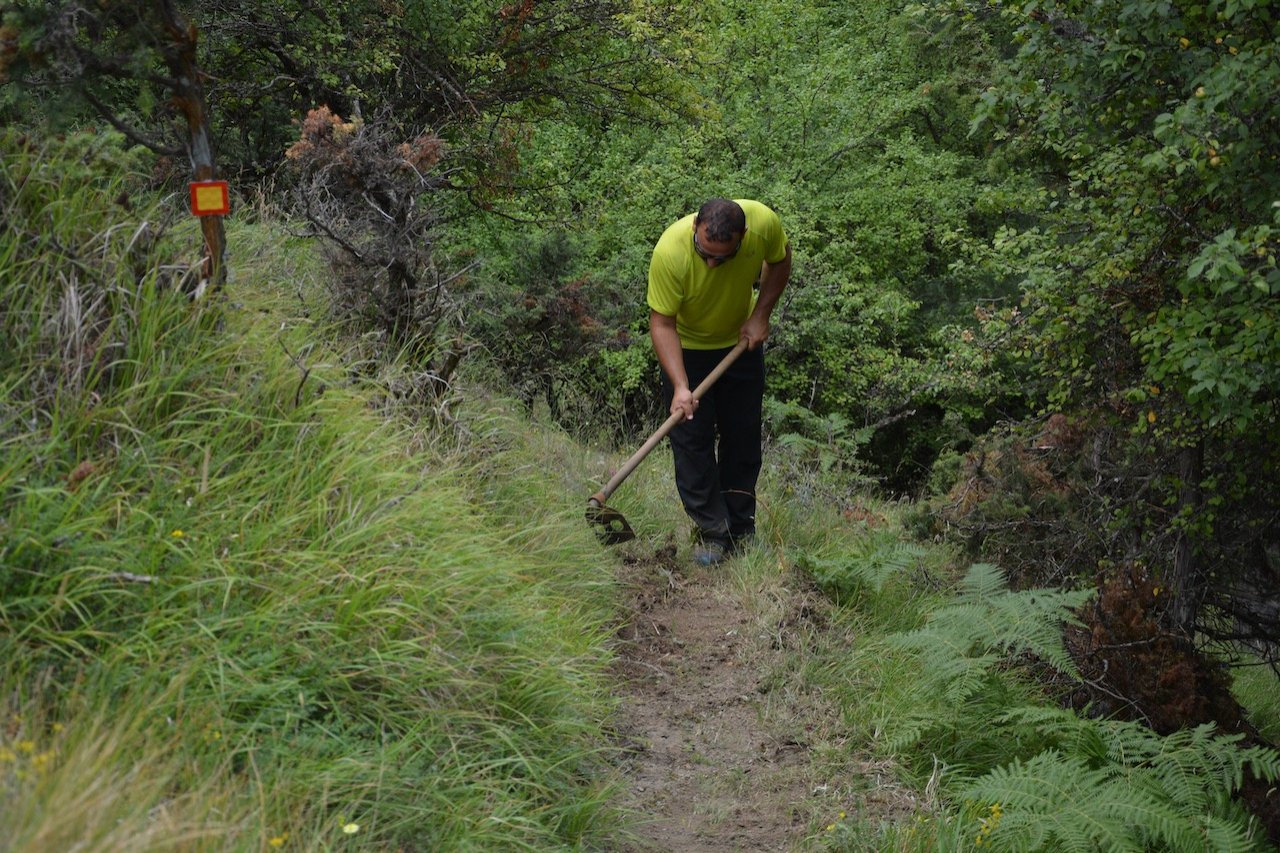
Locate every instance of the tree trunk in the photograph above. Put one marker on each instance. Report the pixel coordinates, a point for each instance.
(1185, 581)
(180, 56)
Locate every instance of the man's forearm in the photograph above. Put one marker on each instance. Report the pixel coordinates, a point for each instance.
(773, 280)
(666, 344)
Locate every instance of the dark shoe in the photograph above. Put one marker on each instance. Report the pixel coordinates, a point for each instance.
(709, 552)
(739, 542)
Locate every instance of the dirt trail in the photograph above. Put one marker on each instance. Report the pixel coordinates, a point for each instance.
(711, 761)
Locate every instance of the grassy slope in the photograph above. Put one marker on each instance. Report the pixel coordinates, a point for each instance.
(237, 604)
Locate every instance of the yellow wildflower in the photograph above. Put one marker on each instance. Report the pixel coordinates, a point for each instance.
(178, 534)
(988, 824)
(351, 828)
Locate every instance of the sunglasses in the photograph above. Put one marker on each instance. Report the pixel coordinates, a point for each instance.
(706, 256)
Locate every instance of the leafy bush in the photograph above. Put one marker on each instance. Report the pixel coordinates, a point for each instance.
(548, 331)
(1149, 273)
(1020, 497)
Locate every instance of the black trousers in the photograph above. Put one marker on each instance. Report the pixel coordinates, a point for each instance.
(717, 454)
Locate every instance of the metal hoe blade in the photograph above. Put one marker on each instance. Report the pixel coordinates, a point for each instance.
(609, 524)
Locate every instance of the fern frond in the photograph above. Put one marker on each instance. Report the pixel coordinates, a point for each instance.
(1077, 807)
(1051, 721)
(907, 731)
(981, 582)
(1031, 621)
(1124, 788)
(1072, 733)
(1224, 836)
(1263, 762)
(986, 617)
(1044, 809)
(872, 568)
(1195, 767)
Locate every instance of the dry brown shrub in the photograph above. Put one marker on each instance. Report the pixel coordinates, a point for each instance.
(1136, 669)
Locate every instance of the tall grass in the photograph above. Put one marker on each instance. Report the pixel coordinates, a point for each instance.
(112, 777)
(239, 606)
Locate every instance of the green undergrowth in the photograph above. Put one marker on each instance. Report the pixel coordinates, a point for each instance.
(959, 684)
(953, 687)
(240, 606)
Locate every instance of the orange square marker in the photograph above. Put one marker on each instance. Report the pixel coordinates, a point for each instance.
(210, 198)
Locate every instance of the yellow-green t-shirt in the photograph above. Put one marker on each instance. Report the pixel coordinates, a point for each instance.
(710, 304)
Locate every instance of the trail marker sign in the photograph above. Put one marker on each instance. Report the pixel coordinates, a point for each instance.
(210, 198)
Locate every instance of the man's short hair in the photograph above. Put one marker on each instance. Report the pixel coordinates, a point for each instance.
(723, 219)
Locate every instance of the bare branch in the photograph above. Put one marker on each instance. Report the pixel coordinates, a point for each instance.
(129, 131)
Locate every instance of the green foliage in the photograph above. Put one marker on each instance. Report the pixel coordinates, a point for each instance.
(1016, 498)
(452, 68)
(1168, 195)
(1216, 345)
(850, 339)
(1257, 688)
(1148, 269)
(1036, 777)
(851, 129)
(75, 329)
(961, 655)
(545, 329)
(178, 497)
(795, 427)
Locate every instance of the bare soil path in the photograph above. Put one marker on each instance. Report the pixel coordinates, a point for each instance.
(719, 748)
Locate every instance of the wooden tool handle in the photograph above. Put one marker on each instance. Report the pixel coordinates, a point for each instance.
(671, 423)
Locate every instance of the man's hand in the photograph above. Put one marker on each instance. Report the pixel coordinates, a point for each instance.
(682, 402)
(666, 343)
(755, 331)
(773, 280)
